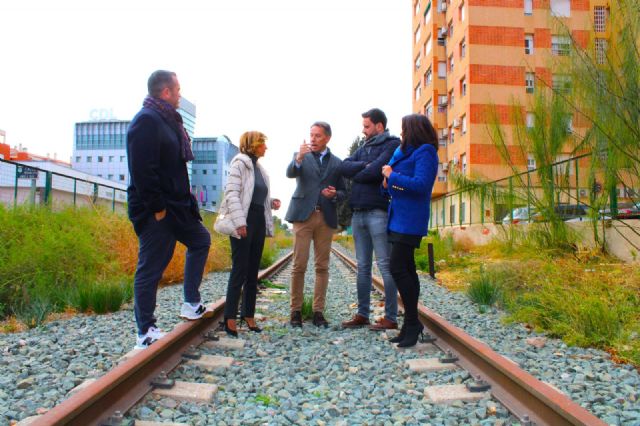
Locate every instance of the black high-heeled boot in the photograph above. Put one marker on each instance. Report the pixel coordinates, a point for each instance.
(400, 337)
(255, 329)
(411, 337)
(230, 332)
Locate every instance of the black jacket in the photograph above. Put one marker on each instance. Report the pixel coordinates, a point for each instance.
(364, 167)
(159, 178)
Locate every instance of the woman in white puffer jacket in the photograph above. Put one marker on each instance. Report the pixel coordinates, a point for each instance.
(248, 205)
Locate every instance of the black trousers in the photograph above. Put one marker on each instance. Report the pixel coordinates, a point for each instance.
(245, 264)
(403, 270)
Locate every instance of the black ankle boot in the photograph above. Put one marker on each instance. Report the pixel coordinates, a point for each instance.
(229, 331)
(411, 337)
(400, 337)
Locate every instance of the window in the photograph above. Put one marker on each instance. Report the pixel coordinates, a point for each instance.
(122, 178)
(463, 86)
(600, 17)
(463, 161)
(427, 46)
(569, 123)
(428, 77)
(215, 172)
(111, 158)
(561, 8)
(451, 99)
(560, 45)
(78, 159)
(214, 187)
(451, 63)
(204, 171)
(601, 50)
(122, 158)
(528, 7)
(442, 142)
(442, 103)
(531, 162)
(463, 120)
(461, 12)
(89, 159)
(428, 109)
(441, 176)
(416, 7)
(451, 28)
(442, 69)
(99, 158)
(416, 35)
(451, 136)
(530, 120)
(427, 13)
(463, 48)
(561, 82)
(529, 81)
(418, 91)
(452, 213)
(418, 59)
(528, 44)
(110, 177)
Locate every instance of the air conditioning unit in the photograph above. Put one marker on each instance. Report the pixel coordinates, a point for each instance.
(442, 33)
(456, 123)
(443, 6)
(445, 167)
(444, 132)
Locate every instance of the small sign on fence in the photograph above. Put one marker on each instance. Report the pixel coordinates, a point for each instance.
(26, 172)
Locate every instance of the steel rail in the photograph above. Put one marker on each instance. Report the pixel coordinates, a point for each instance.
(121, 388)
(526, 397)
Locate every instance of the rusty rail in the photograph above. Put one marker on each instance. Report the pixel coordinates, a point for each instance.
(119, 389)
(526, 397)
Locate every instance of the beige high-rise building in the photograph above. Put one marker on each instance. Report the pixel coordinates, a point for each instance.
(471, 54)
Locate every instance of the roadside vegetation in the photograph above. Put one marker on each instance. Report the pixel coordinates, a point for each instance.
(56, 263)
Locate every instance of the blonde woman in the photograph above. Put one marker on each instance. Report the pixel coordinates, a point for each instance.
(249, 207)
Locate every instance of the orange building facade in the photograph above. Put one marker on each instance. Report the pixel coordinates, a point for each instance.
(471, 55)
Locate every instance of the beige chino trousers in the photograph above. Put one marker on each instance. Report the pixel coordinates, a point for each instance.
(313, 229)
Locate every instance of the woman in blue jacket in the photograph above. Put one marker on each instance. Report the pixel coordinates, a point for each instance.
(409, 178)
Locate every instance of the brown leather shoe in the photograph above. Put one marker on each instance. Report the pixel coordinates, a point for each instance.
(319, 320)
(356, 322)
(384, 324)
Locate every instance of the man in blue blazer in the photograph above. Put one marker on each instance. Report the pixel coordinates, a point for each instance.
(312, 210)
(161, 206)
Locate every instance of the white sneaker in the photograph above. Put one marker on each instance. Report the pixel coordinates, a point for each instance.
(153, 334)
(191, 313)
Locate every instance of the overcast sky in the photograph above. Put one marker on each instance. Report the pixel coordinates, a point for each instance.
(269, 65)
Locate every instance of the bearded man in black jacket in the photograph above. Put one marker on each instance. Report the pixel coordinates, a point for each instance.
(161, 206)
(369, 221)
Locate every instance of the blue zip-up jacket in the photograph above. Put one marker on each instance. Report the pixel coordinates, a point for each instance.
(364, 168)
(410, 185)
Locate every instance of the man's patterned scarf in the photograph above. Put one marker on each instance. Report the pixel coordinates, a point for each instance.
(174, 119)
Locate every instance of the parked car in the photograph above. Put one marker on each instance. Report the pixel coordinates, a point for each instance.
(565, 212)
(627, 210)
(520, 215)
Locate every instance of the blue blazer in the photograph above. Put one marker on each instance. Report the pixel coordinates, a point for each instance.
(410, 185)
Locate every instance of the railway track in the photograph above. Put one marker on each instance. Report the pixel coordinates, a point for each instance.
(529, 401)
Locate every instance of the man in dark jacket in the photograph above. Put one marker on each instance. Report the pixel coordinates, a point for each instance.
(369, 222)
(161, 206)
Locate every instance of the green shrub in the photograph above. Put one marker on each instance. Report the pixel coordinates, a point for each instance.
(101, 297)
(422, 262)
(32, 313)
(484, 289)
(307, 308)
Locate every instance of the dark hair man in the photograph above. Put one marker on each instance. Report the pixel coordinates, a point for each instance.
(369, 221)
(161, 206)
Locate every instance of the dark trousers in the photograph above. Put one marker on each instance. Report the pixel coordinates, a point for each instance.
(245, 264)
(403, 270)
(157, 243)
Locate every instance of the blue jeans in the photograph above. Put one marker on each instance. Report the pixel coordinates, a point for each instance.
(370, 234)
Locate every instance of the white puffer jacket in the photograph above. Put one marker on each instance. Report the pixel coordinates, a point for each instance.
(239, 191)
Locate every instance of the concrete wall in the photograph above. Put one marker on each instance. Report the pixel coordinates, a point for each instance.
(620, 236)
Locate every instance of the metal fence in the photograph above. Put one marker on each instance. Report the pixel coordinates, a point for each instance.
(22, 184)
(573, 183)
